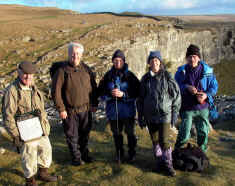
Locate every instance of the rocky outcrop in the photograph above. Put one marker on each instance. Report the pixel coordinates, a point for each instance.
(215, 45)
(227, 39)
(226, 107)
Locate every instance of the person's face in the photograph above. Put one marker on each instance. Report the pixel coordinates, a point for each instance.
(193, 60)
(26, 79)
(75, 56)
(155, 64)
(118, 63)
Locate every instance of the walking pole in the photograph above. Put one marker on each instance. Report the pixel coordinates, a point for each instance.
(116, 104)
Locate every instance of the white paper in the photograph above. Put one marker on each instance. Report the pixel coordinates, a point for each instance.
(30, 129)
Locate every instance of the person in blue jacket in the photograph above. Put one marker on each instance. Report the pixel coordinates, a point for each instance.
(198, 85)
(119, 88)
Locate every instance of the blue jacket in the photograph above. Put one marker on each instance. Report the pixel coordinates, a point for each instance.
(127, 82)
(208, 82)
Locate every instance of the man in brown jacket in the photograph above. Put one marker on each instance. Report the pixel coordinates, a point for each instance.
(74, 94)
(22, 98)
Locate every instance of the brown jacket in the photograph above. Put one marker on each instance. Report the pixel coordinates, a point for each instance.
(74, 88)
(19, 100)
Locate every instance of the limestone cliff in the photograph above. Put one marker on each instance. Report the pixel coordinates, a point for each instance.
(215, 45)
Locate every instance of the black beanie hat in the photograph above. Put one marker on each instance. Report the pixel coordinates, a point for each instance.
(118, 53)
(193, 50)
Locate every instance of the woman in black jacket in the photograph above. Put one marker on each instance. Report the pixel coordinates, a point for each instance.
(158, 106)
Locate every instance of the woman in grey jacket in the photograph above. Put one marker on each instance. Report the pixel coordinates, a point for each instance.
(158, 106)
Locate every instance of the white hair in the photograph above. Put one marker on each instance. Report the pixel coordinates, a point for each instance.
(78, 46)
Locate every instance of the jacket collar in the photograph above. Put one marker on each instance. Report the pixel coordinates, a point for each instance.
(22, 86)
(206, 68)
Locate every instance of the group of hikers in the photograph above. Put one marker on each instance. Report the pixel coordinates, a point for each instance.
(159, 99)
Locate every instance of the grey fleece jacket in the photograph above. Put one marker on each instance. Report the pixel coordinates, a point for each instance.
(159, 98)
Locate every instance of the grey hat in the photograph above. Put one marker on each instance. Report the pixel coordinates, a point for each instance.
(155, 54)
(28, 67)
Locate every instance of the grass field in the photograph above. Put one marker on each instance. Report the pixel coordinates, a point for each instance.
(104, 171)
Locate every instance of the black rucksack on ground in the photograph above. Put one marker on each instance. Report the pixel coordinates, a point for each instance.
(55, 66)
(191, 158)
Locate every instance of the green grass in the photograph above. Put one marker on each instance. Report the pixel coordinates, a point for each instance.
(225, 75)
(104, 171)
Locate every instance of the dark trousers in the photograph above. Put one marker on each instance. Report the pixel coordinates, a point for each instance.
(129, 127)
(159, 133)
(77, 128)
(128, 124)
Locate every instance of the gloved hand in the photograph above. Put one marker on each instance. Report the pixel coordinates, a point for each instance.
(141, 122)
(174, 118)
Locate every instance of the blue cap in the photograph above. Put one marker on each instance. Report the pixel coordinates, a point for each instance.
(155, 54)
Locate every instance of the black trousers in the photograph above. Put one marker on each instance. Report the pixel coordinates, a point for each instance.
(77, 128)
(129, 127)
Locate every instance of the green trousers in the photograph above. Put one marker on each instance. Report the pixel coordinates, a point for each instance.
(159, 133)
(201, 119)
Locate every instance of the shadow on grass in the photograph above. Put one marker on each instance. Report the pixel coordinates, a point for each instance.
(226, 126)
(104, 149)
(11, 172)
(6, 183)
(104, 169)
(226, 152)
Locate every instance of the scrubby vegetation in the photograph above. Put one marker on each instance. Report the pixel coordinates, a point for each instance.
(226, 77)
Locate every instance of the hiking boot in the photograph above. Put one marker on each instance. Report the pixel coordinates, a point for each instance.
(86, 158)
(118, 140)
(131, 158)
(77, 162)
(167, 160)
(132, 141)
(45, 176)
(171, 171)
(120, 156)
(157, 151)
(31, 181)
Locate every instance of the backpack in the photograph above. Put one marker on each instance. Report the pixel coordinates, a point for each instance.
(191, 158)
(55, 66)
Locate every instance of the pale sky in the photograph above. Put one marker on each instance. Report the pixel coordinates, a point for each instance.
(154, 7)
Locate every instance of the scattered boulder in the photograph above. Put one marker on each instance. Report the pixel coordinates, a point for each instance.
(2, 150)
(26, 39)
(226, 107)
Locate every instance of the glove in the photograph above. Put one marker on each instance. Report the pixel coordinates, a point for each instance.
(141, 122)
(174, 119)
